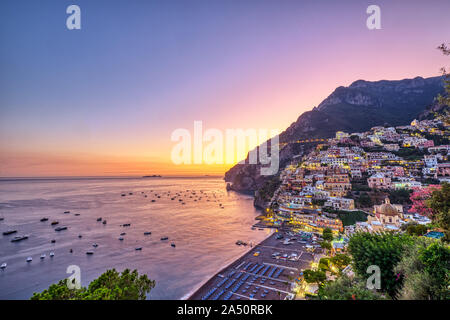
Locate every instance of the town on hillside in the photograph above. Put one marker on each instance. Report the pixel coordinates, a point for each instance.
(348, 183)
(361, 182)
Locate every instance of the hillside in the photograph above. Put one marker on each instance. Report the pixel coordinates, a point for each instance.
(356, 108)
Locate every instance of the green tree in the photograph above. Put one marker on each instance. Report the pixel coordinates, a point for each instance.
(345, 288)
(439, 203)
(381, 249)
(365, 200)
(324, 264)
(327, 234)
(60, 291)
(400, 196)
(340, 260)
(111, 285)
(425, 267)
(415, 229)
(313, 276)
(325, 245)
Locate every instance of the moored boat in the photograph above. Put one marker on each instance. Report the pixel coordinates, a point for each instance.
(19, 238)
(8, 232)
(60, 228)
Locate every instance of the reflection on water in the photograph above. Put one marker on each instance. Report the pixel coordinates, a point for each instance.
(204, 229)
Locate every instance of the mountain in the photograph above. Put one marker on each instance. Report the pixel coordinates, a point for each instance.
(356, 108)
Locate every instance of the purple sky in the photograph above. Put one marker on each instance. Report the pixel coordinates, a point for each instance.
(105, 99)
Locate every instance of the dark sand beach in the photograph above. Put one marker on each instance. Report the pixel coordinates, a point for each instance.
(256, 274)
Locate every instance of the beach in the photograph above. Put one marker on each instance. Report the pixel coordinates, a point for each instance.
(257, 275)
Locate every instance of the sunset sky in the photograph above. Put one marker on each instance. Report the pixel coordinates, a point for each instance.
(105, 99)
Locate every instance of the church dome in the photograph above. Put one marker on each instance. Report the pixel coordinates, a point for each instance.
(388, 209)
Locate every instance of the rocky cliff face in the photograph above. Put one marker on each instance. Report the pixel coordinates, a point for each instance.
(356, 108)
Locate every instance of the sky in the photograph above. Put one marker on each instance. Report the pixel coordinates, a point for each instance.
(105, 99)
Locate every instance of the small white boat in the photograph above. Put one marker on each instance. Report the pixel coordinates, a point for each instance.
(3, 266)
(43, 256)
(29, 259)
(52, 254)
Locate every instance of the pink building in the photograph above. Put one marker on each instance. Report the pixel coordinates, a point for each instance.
(379, 181)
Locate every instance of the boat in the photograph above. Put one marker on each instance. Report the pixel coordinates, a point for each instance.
(1, 218)
(9, 232)
(43, 256)
(52, 254)
(95, 245)
(152, 176)
(89, 252)
(138, 248)
(60, 228)
(54, 222)
(126, 225)
(99, 219)
(44, 219)
(77, 214)
(19, 238)
(173, 245)
(121, 238)
(29, 259)
(66, 212)
(80, 236)
(153, 200)
(3, 266)
(123, 233)
(123, 194)
(53, 241)
(147, 233)
(104, 222)
(164, 238)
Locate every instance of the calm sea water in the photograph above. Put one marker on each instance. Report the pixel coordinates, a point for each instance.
(203, 231)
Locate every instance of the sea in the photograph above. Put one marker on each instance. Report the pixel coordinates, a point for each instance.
(204, 227)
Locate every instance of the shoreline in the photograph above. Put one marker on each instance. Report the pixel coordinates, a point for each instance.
(205, 283)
